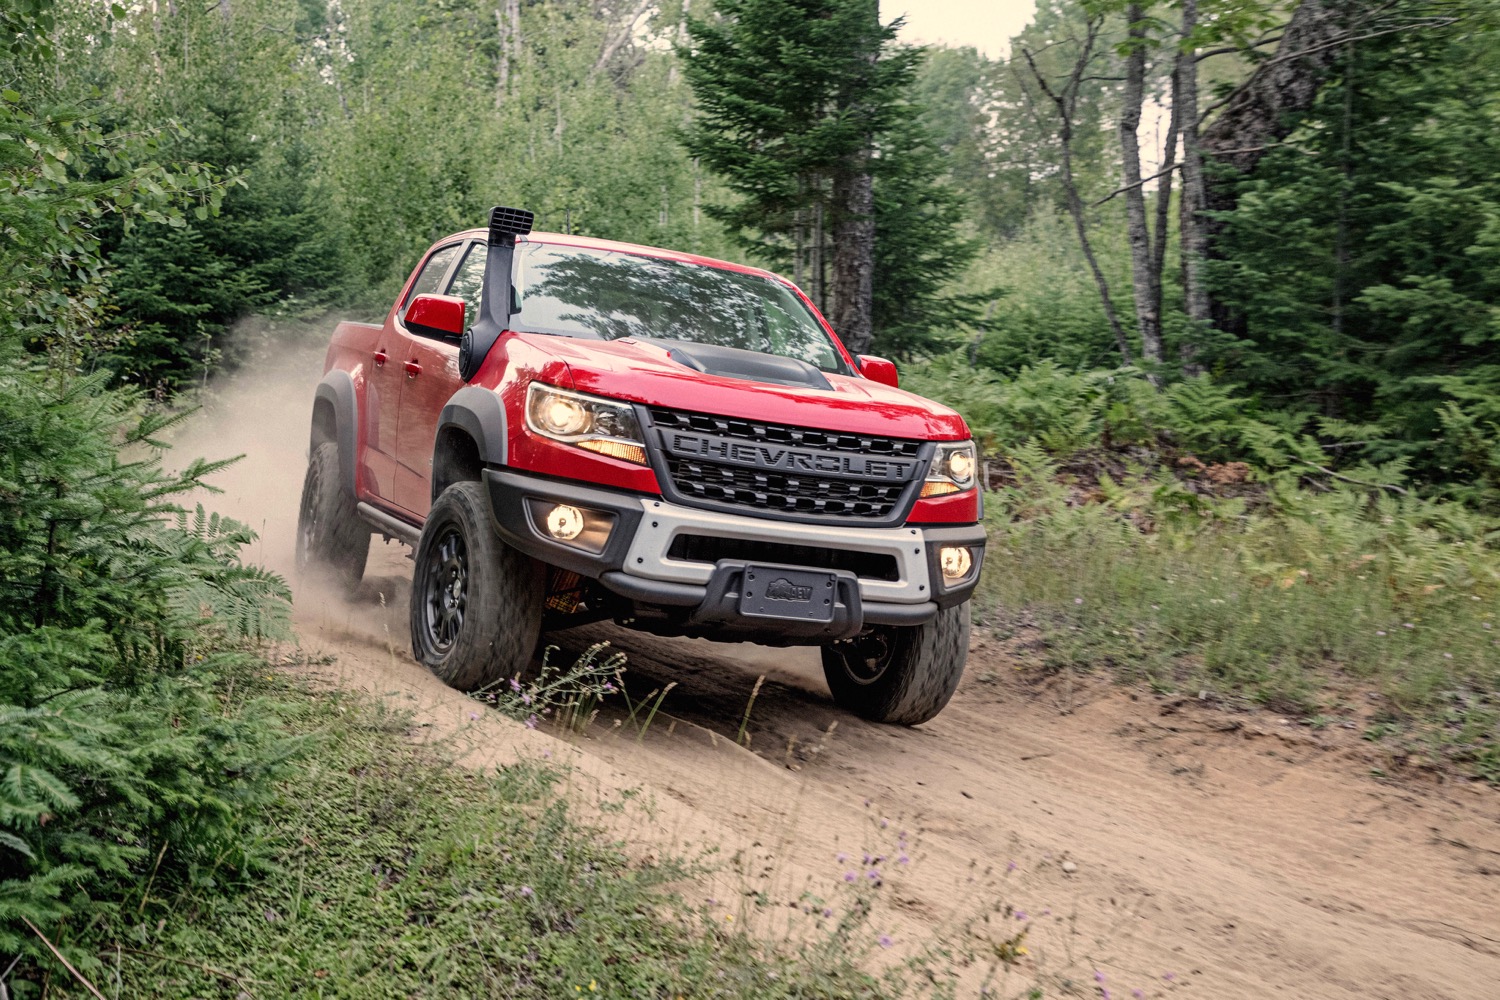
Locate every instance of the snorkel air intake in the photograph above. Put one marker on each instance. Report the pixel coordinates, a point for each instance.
(497, 298)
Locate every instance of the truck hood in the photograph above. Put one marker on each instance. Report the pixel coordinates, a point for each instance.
(644, 372)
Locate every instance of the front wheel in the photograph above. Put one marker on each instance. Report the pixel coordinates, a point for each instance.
(476, 603)
(900, 674)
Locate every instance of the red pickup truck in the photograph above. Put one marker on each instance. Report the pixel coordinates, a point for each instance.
(570, 429)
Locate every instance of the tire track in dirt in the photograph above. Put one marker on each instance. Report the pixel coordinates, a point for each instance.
(1238, 857)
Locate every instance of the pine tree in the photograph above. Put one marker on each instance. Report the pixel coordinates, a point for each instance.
(804, 108)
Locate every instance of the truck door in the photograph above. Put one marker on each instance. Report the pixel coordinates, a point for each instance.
(431, 379)
(388, 375)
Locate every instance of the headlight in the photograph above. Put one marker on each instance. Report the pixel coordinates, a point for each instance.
(953, 469)
(599, 425)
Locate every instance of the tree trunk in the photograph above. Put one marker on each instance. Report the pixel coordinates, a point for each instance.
(854, 255)
(1066, 103)
(508, 24)
(1147, 291)
(1191, 249)
(1263, 110)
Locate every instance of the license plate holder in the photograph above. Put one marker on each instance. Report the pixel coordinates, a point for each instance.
(806, 595)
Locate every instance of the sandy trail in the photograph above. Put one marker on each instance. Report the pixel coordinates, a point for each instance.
(1215, 856)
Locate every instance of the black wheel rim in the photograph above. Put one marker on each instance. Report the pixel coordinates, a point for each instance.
(446, 590)
(866, 658)
(308, 527)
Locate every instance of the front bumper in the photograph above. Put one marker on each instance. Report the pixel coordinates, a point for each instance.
(662, 555)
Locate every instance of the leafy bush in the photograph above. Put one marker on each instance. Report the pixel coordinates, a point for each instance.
(125, 762)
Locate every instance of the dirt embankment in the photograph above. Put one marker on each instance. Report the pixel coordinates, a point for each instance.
(1169, 849)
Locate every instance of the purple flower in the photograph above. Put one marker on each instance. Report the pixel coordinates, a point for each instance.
(526, 699)
(903, 860)
(515, 685)
(827, 911)
(473, 716)
(531, 722)
(873, 875)
(841, 857)
(867, 803)
(609, 687)
(884, 823)
(1139, 994)
(1098, 976)
(850, 876)
(526, 891)
(885, 941)
(1012, 867)
(1021, 915)
(1169, 976)
(1047, 912)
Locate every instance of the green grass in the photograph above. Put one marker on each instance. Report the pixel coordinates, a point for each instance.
(383, 870)
(1306, 610)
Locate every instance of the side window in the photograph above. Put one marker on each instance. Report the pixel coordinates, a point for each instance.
(432, 274)
(468, 283)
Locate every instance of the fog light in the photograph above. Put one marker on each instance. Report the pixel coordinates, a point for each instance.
(955, 561)
(566, 523)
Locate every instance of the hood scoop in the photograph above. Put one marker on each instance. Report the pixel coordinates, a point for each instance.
(752, 366)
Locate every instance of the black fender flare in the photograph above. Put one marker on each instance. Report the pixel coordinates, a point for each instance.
(337, 390)
(478, 413)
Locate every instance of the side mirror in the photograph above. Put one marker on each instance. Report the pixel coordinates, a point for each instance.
(879, 370)
(436, 315)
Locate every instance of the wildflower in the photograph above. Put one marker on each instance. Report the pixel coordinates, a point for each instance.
(903, 860)
(729, 918)
(884, 823)
(531, 721)
(1139, 994)
(850, 876)
(609, 687)
(873, 875)
(827, 911)
(526, 891)
(515, 685)
(473, 716)
(885, 941)
(841, 857)
(1021, 915)
(546, 755)
(526, 699)
(1098, 976)
(1012, 867)
(867, 803)
(712, 901)
(1169, 976)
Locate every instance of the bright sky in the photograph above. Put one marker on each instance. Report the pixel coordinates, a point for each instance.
(987, 25)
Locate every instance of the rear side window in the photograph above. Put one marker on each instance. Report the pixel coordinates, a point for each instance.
(432, 274)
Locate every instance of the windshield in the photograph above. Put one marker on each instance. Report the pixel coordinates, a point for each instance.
(609, 295)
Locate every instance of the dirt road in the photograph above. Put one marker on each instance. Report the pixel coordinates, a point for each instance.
(1166, 848)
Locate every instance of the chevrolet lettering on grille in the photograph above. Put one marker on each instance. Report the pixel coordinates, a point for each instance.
(779, 458)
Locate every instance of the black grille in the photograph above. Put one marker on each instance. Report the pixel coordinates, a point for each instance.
(702, 548)
(852, 494)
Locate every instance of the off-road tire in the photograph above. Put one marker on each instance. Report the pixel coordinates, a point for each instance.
(476, 603)
(900, 674)
(331, 539)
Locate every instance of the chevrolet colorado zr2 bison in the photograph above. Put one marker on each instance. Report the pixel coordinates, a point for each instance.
(568, 430)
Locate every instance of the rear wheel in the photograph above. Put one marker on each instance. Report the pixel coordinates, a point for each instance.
(900, 674)
(476, 603)
(331, 538)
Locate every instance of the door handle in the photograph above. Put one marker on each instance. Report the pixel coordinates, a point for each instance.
(413, 369)
(380, 359)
